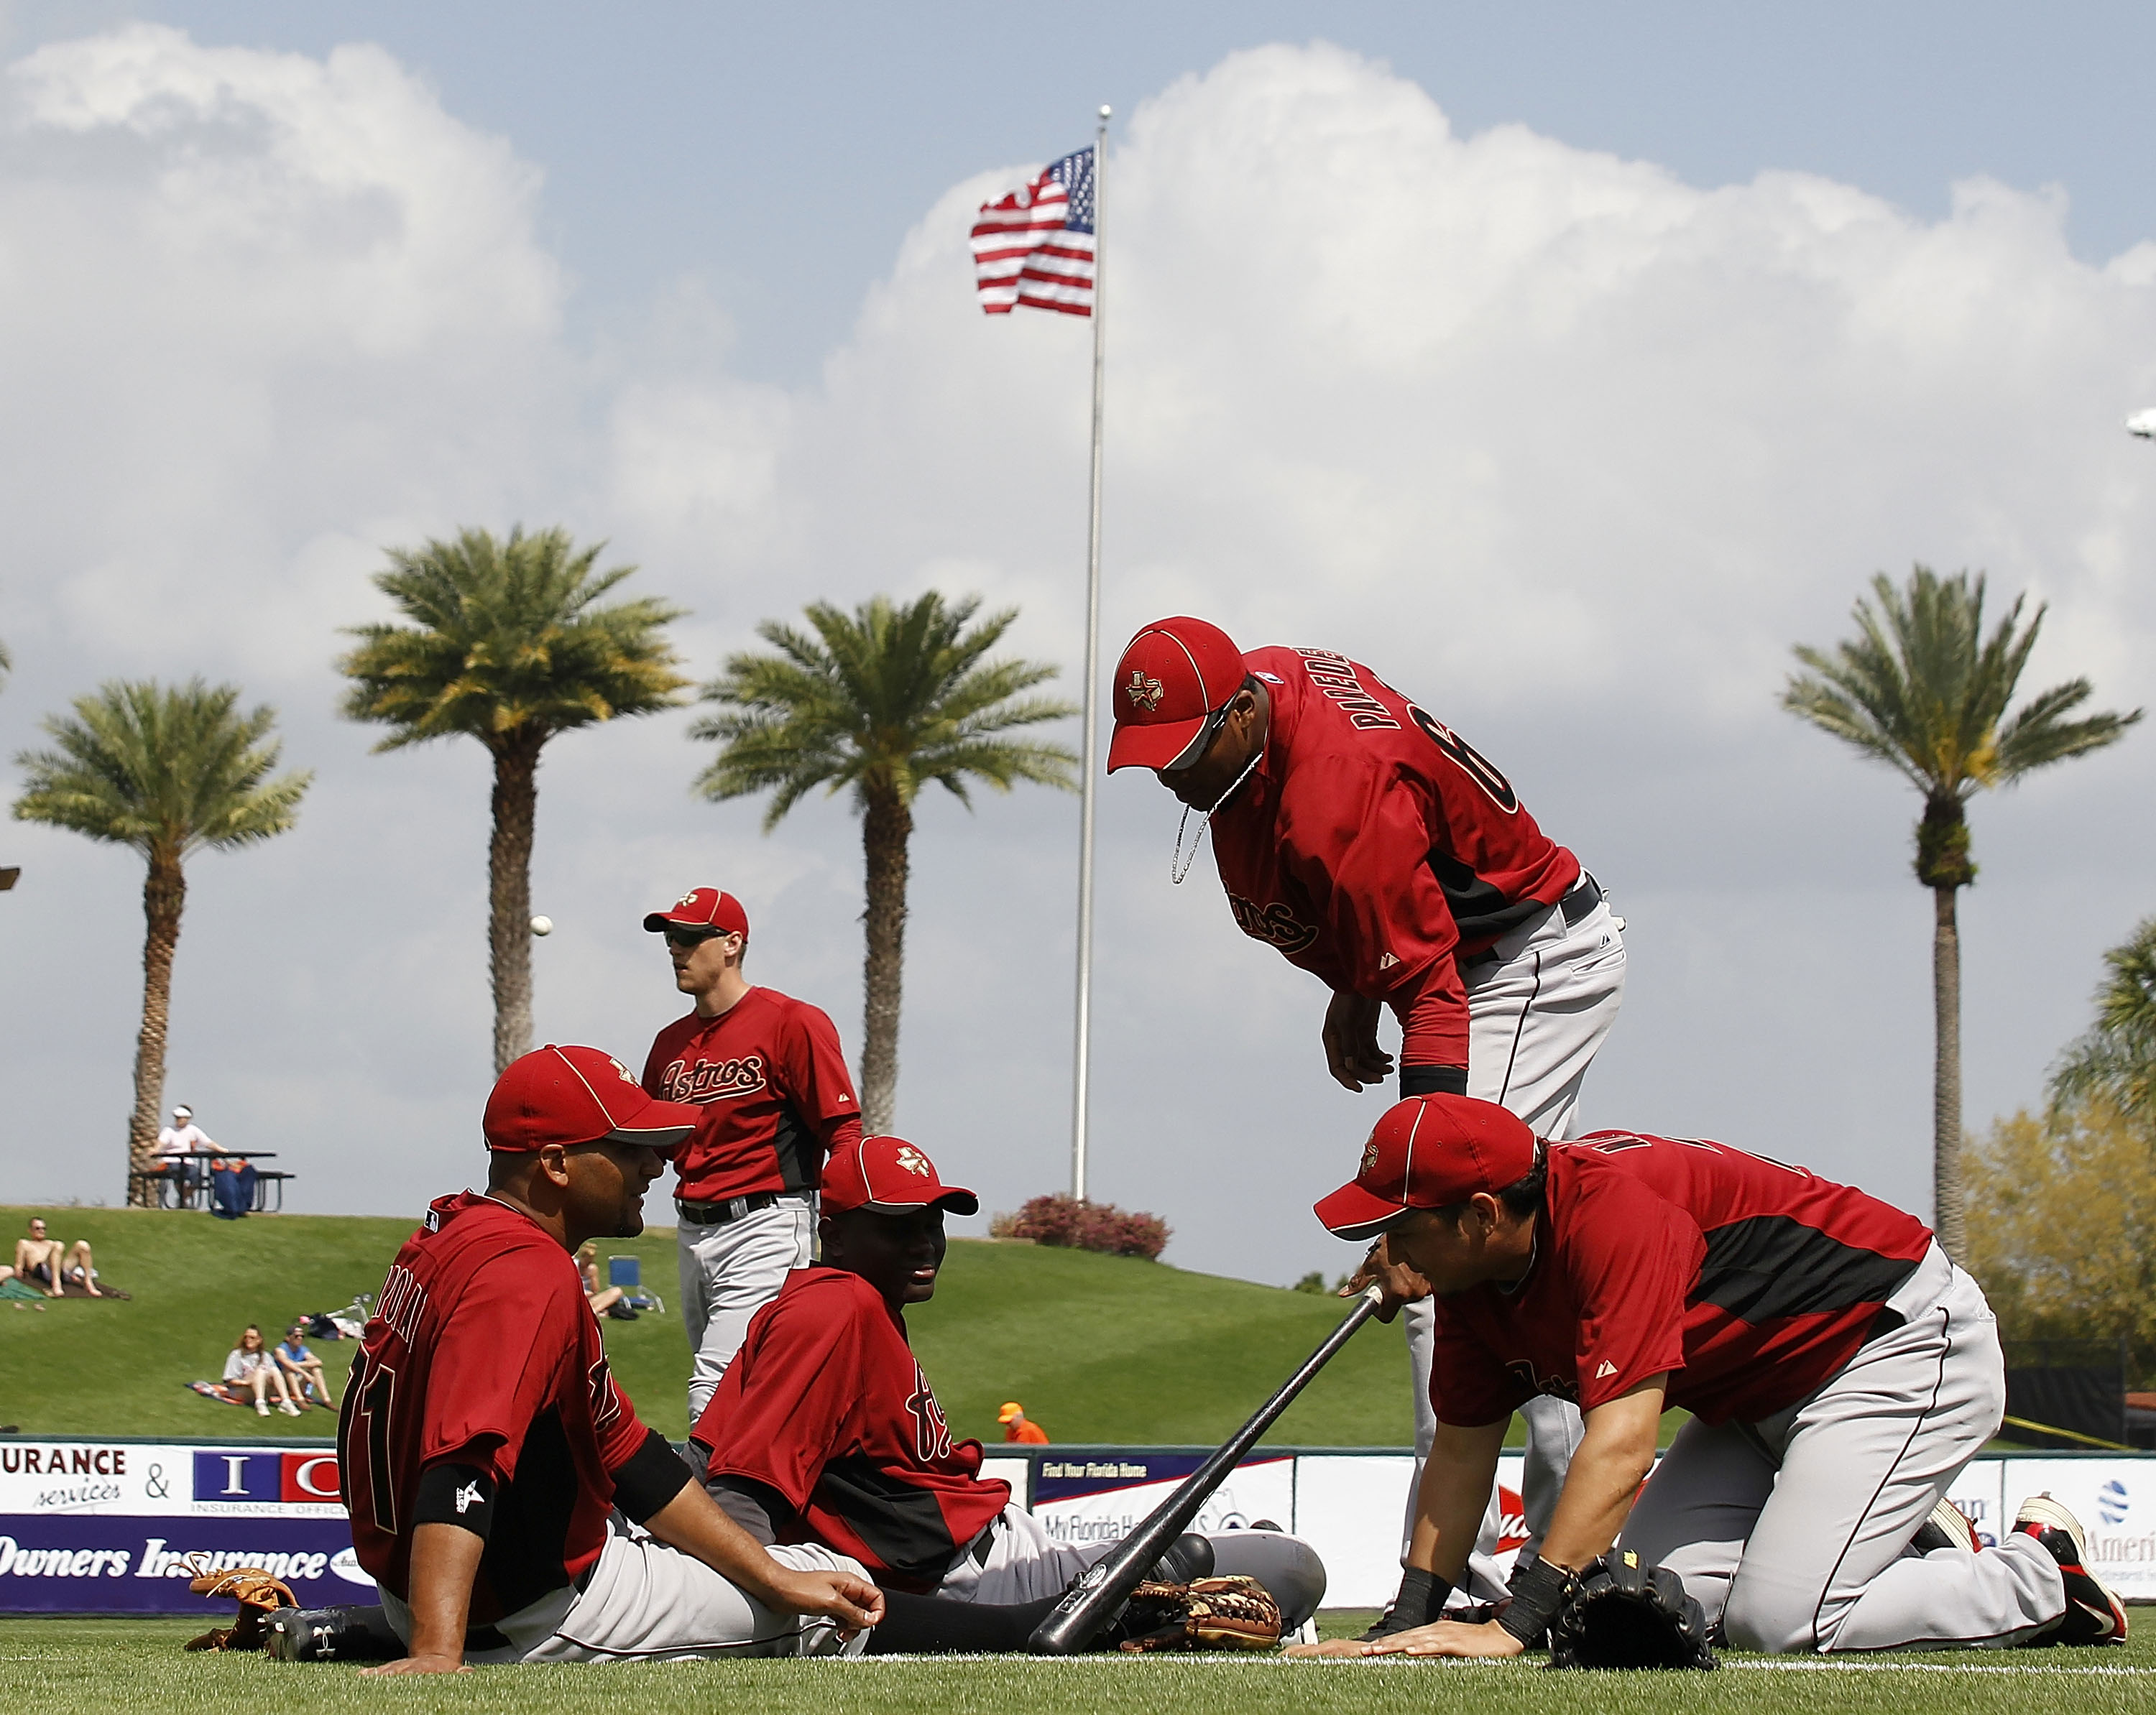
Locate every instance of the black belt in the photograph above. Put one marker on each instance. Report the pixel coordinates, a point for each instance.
(1585, 896)
(733, 1209)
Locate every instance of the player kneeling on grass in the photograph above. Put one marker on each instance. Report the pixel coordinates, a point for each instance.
(824, 1430)
(485, 1448)
(1840, 1368)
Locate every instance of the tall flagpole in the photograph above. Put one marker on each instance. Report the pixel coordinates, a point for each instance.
(1083, 1050)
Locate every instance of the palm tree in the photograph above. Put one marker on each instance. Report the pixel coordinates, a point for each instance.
(2116, 1058)
(169, 770)
(510, 645)
(1925, 690)
(883, 699)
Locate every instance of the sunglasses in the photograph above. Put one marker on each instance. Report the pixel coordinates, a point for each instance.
(691, 937)
(1193, 753)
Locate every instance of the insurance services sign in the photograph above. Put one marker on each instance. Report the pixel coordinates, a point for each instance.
(90, 1526)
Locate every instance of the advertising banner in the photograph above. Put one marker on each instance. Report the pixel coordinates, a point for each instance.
(120, 1527)
(1098, 1495)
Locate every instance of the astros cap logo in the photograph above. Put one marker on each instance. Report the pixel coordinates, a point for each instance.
(686, 899)
(912, 1160)
(1143, 692)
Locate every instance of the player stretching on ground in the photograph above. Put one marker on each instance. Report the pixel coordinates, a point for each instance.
(483, 1444)
(1377, 850)
(768, 1071)
(825, 1430)
(1841, 1371)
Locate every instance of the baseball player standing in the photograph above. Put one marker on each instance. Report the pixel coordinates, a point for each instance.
(485, 1447)
(1375, 848)
(768, 1071)
(1839, 1369)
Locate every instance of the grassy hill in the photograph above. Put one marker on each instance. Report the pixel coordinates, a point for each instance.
(1099, 1348)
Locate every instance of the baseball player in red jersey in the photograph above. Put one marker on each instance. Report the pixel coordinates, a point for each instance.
(485, 1445)
(1839, 1369)
(1377, 849)
(825, 1430)
(768, 1071)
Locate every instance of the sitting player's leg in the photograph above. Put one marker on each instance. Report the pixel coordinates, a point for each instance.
(647, 1601)
(1287, 1566)
(1699, 1507)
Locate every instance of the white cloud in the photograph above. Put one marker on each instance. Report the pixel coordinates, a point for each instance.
(1568, 448)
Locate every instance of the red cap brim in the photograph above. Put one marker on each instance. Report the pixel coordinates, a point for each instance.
(664, 1126)
(1151, 746)
(1352, 1213)
(956, 1200)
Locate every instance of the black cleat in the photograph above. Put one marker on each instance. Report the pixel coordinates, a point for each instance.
(2093, 1615)
(1946, 1528)
(343, 1634)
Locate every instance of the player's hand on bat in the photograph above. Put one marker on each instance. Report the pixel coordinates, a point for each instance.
(416, 1664)
(1399, 1283)
(1489, 1642)
(1352, 1053)
(854, 1602)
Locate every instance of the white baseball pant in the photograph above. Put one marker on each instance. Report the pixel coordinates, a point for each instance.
(1794, 1532)
(646, 1601)
(730, 1271)
(1537, 1012)
(1015, 1560)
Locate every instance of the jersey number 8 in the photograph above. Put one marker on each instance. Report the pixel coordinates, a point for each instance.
(1470, 761)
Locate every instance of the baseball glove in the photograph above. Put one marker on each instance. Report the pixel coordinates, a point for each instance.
(1626, 1614)
(1212, 1613)
(259, 1595)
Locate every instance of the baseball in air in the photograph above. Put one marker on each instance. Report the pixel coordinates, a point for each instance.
(542, 925)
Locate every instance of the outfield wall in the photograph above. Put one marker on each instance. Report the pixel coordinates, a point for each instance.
(109, 1526)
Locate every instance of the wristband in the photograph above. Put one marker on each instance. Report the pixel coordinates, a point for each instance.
(1432, 1080)
(1420, 1601)
(649, 1478)
(1538, 1591)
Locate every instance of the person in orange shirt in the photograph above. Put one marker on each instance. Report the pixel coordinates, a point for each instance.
(1018, 1427)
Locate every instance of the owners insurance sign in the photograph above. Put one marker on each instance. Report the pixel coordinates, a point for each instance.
(93, 1527)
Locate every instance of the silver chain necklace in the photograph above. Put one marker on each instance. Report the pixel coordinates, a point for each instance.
(1178, 866)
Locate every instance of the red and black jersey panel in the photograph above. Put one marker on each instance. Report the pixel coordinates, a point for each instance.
(1747, 1281)
(826, 1408)
(777, 1097)
(484, 1383)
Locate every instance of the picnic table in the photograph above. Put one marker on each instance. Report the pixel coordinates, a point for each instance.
(268, 1182)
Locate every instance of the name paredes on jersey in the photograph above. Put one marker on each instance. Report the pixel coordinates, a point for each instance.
(1334, 676)
(712, 1080)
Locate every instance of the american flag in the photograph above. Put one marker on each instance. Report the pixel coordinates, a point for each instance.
(1035, 247)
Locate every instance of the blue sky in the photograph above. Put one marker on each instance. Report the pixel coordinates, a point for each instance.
(1565, 366)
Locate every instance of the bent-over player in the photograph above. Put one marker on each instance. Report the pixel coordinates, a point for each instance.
(825, 1430)
(1841, 1371)
(1377, 849)
(768, 1071)
(484, 1445)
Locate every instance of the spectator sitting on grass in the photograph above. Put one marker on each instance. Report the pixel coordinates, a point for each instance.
(50, 1263)
(250, 1371)
(302, 1369)
(605, 1301)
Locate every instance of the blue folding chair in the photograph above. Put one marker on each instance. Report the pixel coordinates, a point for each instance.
(627, 1273)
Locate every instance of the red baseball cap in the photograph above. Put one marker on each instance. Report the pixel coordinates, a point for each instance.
(1429, 1152)
(1172, 675)
(701, 907)
(889, 1176)
(575, 1095)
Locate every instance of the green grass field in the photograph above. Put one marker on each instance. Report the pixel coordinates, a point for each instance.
(1100, 1349)
(138, 1665)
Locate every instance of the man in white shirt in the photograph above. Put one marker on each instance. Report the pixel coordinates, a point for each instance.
(180, 1138)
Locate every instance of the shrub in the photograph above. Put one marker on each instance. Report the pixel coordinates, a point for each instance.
(1086, 1225)
(1312, 1282)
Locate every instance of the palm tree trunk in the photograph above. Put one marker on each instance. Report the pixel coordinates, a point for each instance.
(164, 894)
(508, 894)
(1947, 1221)
(885, 827)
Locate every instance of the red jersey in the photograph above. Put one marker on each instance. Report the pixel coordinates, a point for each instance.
(1374, 847)
(1749, 1282)
(483, 1353)
(826, 1407)
(775, 1095)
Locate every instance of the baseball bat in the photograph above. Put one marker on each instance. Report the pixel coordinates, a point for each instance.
(1092, 1602)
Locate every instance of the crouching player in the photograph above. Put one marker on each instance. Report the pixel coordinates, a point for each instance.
(1841, 1371)
(484, 1445)
(824, 1430)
